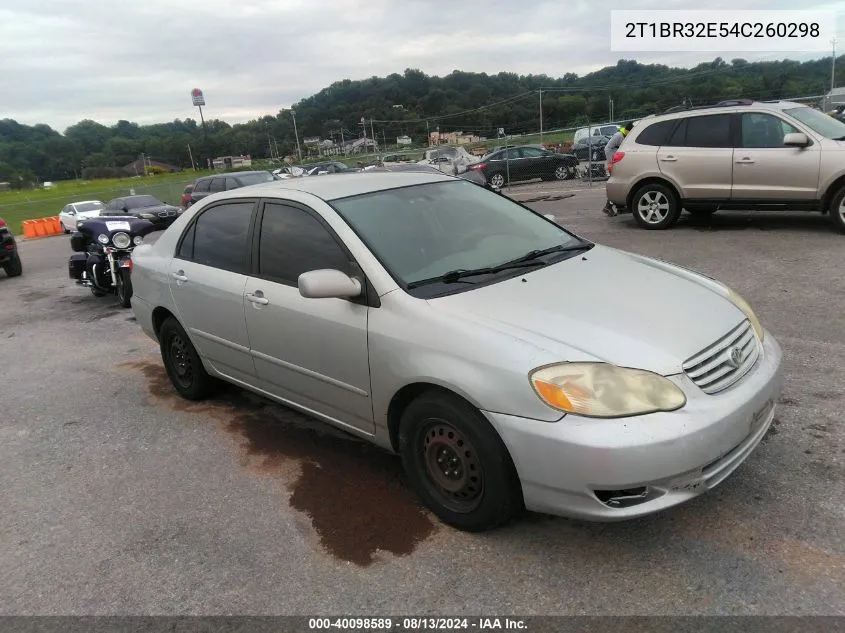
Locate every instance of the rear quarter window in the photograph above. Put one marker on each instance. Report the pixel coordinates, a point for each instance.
(656, 134)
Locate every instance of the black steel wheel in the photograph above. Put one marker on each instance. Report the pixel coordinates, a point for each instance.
(182, 363)
(457, 463)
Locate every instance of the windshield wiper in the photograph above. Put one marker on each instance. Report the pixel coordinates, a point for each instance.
(530, 259)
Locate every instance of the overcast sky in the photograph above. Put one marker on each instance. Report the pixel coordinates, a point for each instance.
(65, 60)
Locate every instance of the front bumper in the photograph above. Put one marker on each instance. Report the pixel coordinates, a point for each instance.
(611, 470)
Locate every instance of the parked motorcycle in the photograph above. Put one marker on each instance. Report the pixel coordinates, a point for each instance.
(102, 254)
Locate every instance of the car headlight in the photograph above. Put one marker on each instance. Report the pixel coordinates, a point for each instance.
(102, 238)
(742, 304)
(137, 240)
(121, 240)
(147, 216)
(600, 390)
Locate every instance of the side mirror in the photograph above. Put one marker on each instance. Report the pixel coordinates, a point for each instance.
(328, 284)
(796, 139)
(71, 212)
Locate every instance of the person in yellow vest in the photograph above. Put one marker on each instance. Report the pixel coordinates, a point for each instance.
(609, 150)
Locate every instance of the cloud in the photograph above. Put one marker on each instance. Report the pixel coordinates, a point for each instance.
(65, 60)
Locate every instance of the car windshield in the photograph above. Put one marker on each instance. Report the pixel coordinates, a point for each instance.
(139, 202)
(254, 179)
(819, 122)
(425, 231)
(82, 207)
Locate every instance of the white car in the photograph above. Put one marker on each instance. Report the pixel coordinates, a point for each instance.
(449, 160)
(75, 211)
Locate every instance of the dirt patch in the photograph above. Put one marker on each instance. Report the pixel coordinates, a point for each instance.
(353, 492)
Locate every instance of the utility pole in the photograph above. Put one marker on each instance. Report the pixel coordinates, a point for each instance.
(541, 116)
(342, 142)
(373, 134)
(296, 134)
(191, 155)
(833, 66)
(427, 135)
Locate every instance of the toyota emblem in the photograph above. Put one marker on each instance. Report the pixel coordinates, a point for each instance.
(735, 357)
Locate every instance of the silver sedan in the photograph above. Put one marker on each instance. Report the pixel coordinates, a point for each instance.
(511, 363)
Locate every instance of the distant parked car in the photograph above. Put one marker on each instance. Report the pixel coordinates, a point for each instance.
(525, 163)
(450, 160)
(226, 182)
(290, 171)
(185, 200)
(10, 259)
(590, 148)
(75, 211)
(331, 167)
(145, 207)
(598, 130)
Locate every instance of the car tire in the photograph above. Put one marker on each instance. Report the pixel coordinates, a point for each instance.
(14, 268)
(655, 206)
(65, 230)
(477, 488)
(497, 180)
(124, 289)
(182, 363)
(837, 210)
(564, 172)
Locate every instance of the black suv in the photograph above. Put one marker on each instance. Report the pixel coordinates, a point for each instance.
(208, 185)
(10, 260)
(145, 207)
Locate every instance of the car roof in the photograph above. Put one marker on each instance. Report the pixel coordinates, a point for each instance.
(335, 186)
(772, 106)
(87, 201)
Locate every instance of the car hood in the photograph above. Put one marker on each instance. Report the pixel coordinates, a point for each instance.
(155, 209)
(88, 214)
(605, 305)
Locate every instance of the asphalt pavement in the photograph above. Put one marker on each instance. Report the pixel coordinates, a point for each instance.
(116, 497)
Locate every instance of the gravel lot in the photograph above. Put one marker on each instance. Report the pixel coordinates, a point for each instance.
(118, 498)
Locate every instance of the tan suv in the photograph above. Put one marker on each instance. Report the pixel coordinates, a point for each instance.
(740, 155)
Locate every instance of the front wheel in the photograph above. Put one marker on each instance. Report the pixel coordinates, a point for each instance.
(837, 210)
(458, 464)
(65, 230)
(124, 289)
(14, 268)
(655, 206)
(182, 363)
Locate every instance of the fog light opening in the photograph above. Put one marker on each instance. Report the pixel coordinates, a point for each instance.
(626, 497)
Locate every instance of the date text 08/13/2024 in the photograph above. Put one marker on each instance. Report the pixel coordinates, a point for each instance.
(417, 624)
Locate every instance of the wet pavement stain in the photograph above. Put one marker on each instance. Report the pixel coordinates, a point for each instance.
(353, 492)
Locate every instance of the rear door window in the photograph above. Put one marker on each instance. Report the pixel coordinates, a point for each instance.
(202, 186)
(217, 184)
(656, 134)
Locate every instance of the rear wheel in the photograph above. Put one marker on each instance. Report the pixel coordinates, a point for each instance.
(655, 206)
(497, 180)
(14, 268)
(124, 289)
(182, 363)
(64, 228)
(457, 463)
(837, 210)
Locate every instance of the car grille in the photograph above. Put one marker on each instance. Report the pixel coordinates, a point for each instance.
(726, 361)
(166, 214)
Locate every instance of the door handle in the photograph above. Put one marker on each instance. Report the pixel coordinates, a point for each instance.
(745, 161)
(669, 159)
(257, 297)
(179, 275)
